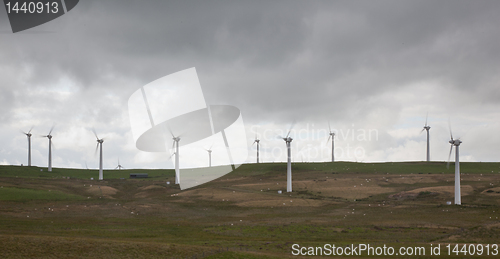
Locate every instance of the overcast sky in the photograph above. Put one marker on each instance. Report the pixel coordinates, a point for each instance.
(372, 69)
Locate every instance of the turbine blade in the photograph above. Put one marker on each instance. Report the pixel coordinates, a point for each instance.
(95, 134)
(170, 130)
(51, 129)
(449, 156)
(31, 129)
(329, 128)
(426, 118)
(328, 139)
(422, 130)
(291, 127)
(96, 147)
(449, 126)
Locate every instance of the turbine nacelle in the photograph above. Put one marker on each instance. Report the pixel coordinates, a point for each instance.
(288, 139)
(455, 142)
(100, 141)
(427, 128)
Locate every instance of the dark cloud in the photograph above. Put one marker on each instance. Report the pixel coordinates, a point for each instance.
(361, 62)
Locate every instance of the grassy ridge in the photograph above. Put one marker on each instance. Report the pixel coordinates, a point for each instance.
(146, 218)
(266, 168)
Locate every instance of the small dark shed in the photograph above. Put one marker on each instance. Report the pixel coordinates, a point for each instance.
(138, 175)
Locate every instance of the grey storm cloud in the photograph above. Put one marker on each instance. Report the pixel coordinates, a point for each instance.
(368, 63)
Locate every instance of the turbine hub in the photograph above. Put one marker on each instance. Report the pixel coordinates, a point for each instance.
(427, 127)
(455, 142)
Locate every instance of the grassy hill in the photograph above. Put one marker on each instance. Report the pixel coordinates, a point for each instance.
(241, 215)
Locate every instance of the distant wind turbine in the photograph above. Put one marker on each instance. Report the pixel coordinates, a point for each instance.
(28, 134)
(119, 167)
(50, 149)
(288, 140)
(456, 143)
(427, 128)
(332, 136)
(209, 150)
(176, 145)
(257, 141)
(99, 145)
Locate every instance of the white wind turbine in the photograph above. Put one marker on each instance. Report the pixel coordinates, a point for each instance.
(257, 141)
(119, 167)
(209, 156)
(332, 136)
(176, 145)
(99, 144)
(28, 134)
(288, 141)
(50, 149)
(427, 128)
(456, 143)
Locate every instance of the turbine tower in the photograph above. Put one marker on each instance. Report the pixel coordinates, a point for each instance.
(50, 149)
(209, 157)
(456, 143)
(99, 145)
(176, 144)
(257, 141)
(28, 134)
(288, 140)
(427, 128)
(332, 136)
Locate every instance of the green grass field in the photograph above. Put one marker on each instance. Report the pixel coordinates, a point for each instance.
(64, 214)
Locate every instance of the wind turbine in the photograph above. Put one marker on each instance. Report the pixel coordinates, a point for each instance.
(456, 143)
(28, 134)
(209, 156)
(288, 140)
(427, 128)
(332, 136)
(119, 167)
(99, 143)
(257, 141)
(50, 149)
(176, 145)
